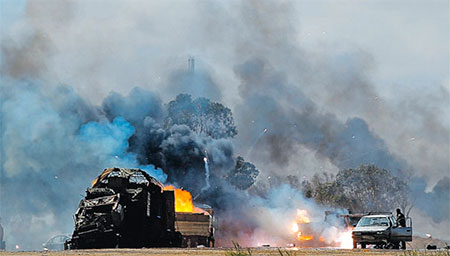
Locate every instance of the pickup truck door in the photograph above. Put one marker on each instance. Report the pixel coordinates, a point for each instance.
(402, 233)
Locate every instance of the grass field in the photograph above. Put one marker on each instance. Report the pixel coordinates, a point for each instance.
(229, 252)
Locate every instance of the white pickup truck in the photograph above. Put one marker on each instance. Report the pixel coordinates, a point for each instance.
(382, 231)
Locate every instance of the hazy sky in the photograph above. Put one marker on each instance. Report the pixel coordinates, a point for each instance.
(408, 40)
(398, 51)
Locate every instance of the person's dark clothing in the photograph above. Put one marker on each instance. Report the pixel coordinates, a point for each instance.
(211, 239)
(403, 245)
(401, 220)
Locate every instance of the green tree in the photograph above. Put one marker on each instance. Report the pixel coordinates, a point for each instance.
(243, 175)
(366, 188)
(202, 116)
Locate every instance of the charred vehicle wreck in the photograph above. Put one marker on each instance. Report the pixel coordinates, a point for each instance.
(125, 208)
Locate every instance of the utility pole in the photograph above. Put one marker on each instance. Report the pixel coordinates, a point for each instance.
(191, 64)
(2, 169)
(2, 153)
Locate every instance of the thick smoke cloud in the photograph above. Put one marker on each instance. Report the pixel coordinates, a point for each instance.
(292, 118)
(437, 198)
(322, 107)
(177, 149)
(53, 144)
(198, 83)
(138, 104)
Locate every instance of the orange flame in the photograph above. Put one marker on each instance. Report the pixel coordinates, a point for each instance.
(302, 218)
(304, 238)
(183, 200)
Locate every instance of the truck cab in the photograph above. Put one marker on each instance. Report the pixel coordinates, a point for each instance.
(381, 231)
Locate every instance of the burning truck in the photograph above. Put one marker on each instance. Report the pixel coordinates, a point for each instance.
(128, 208)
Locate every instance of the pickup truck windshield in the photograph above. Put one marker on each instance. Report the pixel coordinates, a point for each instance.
(373, 221)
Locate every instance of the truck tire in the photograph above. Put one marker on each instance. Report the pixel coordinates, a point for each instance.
(363, 246)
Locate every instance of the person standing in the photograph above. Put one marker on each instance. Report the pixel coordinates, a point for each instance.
(211, 239)
(401, 222)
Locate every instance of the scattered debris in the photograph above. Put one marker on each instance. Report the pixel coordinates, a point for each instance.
(431, 247)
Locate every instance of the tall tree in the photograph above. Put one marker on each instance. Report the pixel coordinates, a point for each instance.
(202, 116)
(366, 188)
(243, 175)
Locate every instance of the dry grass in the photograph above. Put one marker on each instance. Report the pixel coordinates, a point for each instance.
(232, 252)
(238, 251)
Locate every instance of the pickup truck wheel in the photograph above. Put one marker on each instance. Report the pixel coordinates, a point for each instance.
(363, 246)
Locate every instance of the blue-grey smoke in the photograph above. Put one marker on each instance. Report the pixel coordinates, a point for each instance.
(113, 139)
(53, 144)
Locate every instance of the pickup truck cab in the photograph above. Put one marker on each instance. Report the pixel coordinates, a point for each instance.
(382, 231)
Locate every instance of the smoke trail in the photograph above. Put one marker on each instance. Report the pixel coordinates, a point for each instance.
(205, 159)
(252, 147)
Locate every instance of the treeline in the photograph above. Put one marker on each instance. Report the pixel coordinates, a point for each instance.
(366, 188)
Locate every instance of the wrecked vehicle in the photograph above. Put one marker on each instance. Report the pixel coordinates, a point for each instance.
(56, 243)
(382, 231)
(125, 208)
(349, 220)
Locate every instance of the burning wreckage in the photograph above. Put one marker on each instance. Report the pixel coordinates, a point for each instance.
(127, 208)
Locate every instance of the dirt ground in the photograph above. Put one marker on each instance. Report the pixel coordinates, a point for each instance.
(225, 252)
